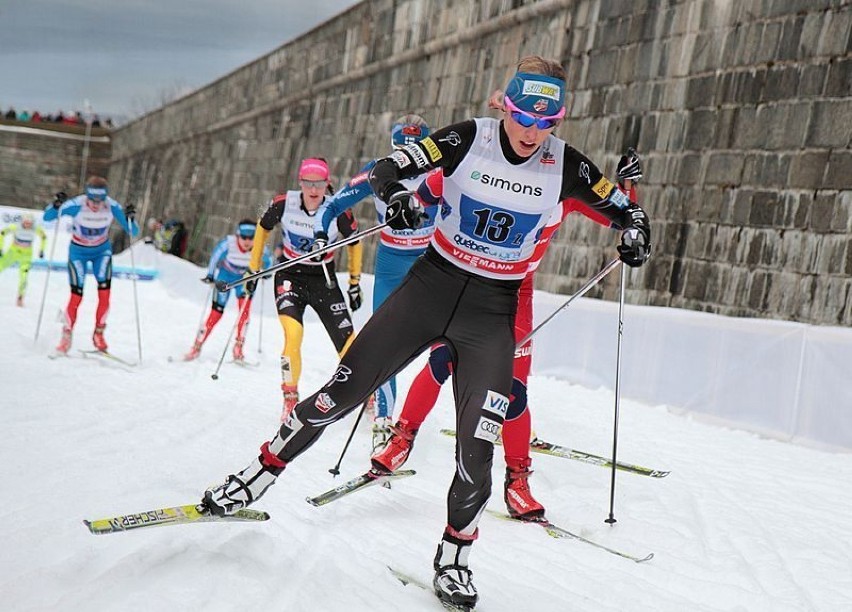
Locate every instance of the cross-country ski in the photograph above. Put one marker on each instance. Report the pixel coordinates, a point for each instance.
(174, 515)
(408, 579)
(368, 479)
(548, 448)
(555, 531)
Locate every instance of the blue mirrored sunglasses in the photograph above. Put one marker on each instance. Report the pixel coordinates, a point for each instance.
(527, 120)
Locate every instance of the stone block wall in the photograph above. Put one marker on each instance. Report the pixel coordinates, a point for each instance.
(742, 112)
(39, 159)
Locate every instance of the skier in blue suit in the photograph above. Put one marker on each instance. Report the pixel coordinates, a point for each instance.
(92, 213)
(397, 250)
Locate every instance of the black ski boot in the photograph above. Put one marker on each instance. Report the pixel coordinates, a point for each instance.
(453, 579)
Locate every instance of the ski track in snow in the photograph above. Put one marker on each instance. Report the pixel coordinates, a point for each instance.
(741, 523)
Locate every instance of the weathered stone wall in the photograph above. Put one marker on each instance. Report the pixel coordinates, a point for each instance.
(740, 110)
(39, 159)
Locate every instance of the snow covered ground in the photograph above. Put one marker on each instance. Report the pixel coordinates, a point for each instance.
(742, 523)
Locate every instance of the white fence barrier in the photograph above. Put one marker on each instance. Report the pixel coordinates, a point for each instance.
(786, 380)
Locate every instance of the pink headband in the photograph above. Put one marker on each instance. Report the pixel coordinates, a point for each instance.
(313, 166)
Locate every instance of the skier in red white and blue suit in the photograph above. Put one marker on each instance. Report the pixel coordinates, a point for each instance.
(92, 213)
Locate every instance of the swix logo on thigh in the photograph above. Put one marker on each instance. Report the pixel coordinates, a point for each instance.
(342, 374)
(324, 402)
(496, 404)
(488, 430)
(524, 351)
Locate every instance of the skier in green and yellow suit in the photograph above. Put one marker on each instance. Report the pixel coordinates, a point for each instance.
(21, 251)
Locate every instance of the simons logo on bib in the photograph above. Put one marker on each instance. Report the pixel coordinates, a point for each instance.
(505, 184)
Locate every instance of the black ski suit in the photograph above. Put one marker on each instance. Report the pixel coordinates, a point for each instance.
(462, 292)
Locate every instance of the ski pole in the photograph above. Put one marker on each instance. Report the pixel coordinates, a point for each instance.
(336, 469)
(611, 519)
(328, 283)
(207, 299)
(260, 324)
(47, 278)
(246, 304)
(135, 297)
(581, 292)
(223, 286)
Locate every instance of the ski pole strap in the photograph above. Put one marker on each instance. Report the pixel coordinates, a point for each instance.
(581, 292)
(223, 286)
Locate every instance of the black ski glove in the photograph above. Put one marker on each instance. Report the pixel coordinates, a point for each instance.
(635, 247)
(356, 296)
(59, 199)
(404, 211)
(208, 279)
(629, 167)
(320, 241)
(251, 287)
(130, 211)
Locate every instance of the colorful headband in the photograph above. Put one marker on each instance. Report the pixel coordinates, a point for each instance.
(96, 194)
(313, 165)
(246, 230)
(537, 93)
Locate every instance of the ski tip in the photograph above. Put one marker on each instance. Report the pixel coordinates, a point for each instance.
(90, 525)
(405, 580)
(374, 473)
(254, 515)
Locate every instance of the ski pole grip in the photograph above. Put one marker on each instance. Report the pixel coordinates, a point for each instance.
(221, 286)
